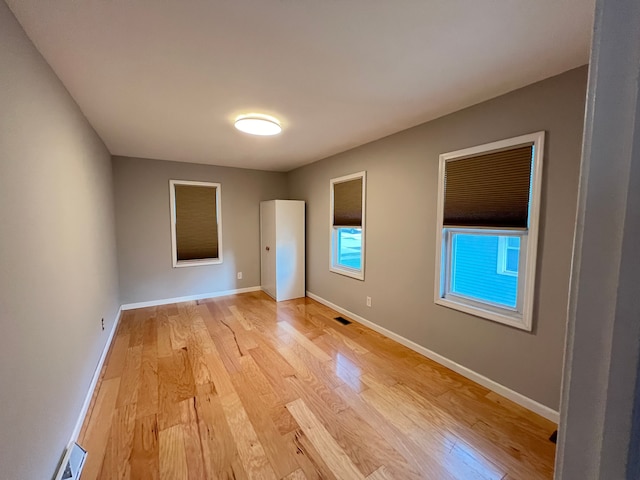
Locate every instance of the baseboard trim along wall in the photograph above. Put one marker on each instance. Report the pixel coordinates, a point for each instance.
(188, 298)
(95, 379)
(506, 392)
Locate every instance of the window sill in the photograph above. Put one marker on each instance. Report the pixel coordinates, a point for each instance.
(514, 320)
(348, 272)
(196, 263)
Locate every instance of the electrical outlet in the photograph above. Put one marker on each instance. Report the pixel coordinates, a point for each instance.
(102, 323)
(239, 275)
(368, 301)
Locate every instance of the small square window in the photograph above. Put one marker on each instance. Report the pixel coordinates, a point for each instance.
(508, 255)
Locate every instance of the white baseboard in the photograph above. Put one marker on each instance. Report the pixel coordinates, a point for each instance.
(514, 396)
(94, 380)
(189, 298)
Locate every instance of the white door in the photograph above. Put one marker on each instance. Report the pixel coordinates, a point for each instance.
(268, 247)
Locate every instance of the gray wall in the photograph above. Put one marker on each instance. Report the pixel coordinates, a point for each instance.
(57, 258)
(402, 174)
(144, 228)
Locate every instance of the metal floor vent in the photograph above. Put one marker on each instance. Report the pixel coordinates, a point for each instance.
(343, 320)
(72, 463)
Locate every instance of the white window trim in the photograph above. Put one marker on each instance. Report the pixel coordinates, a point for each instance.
(174, 251)
(522, 319)
(358, 274)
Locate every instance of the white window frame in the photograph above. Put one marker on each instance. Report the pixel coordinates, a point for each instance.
(333, 231)
(174, 250)
(522, 316)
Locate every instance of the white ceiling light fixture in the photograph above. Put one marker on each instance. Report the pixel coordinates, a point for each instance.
(258, 124)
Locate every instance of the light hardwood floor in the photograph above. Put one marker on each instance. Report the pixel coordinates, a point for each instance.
(242, 387)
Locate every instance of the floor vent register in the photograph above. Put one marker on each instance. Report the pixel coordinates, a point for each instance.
(72, 463)
(343, 320)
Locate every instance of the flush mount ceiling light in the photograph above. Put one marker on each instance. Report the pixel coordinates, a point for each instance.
(257, 124)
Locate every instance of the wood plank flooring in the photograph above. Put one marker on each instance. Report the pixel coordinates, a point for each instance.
(241, 387)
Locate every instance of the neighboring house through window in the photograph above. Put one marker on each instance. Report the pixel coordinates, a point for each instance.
(347, 208)
(488, 209)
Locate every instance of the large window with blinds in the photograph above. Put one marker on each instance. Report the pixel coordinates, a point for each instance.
(348, 196)
(488, 210)
(196, 226)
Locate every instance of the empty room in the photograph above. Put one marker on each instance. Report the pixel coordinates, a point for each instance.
(280, 239)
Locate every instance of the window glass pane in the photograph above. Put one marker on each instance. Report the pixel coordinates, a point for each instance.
(513, 242)
(349, 248)
(475, 269)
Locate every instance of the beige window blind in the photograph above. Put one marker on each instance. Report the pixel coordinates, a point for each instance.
(196, 222)
(489, 190)
(347, 203)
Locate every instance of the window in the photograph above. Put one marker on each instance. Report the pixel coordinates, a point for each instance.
(347, 225)
(488, 208)
(508, 255)
(196, 227)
